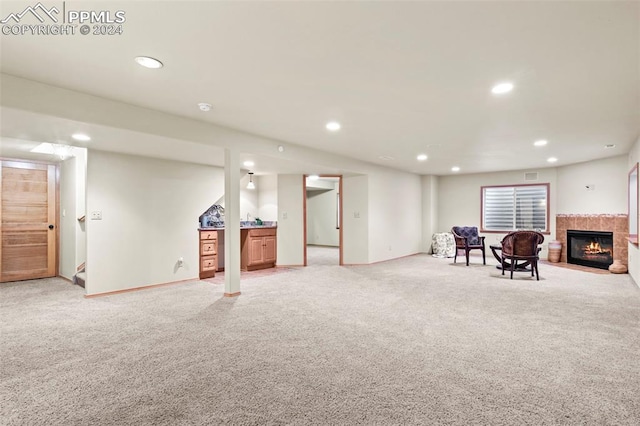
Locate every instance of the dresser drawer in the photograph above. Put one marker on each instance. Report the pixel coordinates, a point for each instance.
(209, 263)
(207, 248)
(208, 235)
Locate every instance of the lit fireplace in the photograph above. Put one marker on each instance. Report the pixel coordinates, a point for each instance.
(590, 248)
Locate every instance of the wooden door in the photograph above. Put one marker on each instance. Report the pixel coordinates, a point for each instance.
(28, 225)
(270, 249)
(255, 251)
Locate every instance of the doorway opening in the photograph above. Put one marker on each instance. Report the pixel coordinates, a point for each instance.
(322, 213)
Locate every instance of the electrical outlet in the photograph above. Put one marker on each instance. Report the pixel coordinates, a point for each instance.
(96, 215)
(356, 215)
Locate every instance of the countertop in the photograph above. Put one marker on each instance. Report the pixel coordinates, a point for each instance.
(213, 228)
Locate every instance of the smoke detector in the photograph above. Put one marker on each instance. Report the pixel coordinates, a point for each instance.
(204, 106)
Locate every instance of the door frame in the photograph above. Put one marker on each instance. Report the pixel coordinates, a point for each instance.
(304, 215)
(56, 177)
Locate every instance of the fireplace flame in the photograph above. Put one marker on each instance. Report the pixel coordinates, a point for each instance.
(594, 248)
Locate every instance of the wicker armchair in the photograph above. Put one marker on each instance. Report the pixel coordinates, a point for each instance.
(467, 239)
(522, 246)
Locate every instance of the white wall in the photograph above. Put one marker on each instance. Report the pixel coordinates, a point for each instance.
(381, 217)
(321, 217)
(355, 220)
(150, 211)
(81, 205)
(395, 215)
(607, 176)
(459, 199)
(290, 220)
(267, 197)
(634, 251)
(68, 218)
(429, 210)
(73, 249)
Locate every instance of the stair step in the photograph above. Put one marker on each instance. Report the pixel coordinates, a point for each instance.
(80, 278)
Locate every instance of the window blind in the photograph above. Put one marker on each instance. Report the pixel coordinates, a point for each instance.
(515, 207)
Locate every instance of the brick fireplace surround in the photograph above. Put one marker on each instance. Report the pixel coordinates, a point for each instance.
(616, 223)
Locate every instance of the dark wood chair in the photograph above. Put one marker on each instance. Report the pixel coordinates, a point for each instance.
(522, 246)
(467, 239)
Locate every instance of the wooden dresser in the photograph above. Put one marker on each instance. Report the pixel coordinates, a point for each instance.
(208, 253)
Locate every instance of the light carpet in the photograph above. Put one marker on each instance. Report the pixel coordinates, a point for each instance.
(416, 340)
(322, 255)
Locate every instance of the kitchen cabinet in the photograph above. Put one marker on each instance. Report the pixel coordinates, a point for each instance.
(259, 248)
(208, 253)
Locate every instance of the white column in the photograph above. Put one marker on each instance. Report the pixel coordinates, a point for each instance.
(231, 222)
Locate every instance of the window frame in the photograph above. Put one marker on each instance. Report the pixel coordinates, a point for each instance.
(547, 231)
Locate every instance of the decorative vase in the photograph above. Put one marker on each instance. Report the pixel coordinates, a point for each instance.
(555, 248)
(617, 267)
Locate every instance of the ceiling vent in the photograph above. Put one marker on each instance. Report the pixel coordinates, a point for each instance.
(530, 176)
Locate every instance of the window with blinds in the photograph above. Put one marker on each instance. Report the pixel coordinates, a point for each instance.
(510, 208)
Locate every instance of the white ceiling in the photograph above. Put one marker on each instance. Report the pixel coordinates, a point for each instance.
(403, 78)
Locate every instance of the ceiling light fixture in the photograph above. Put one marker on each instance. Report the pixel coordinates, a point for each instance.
(502, 88)
(552, 159)
(333, 126)
(540, 142)
(204, 106)
(422, 157)
(455, 169)
(59, 150)
(610, 145)
(248, 164)
(149, 62)
(81, 137)
(280, 148)
(251, 185)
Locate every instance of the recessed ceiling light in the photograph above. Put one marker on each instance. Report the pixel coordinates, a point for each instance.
(81, 137)
(540, 142)
(204, 106)
(248, 164)
(421, 157)
(610, 145)
(280, 148)
(455, 169)
(314, 177)
(502, 88)
(333, 126)
(43, 148)
(148, 62)
(552, 159)
(57, 149)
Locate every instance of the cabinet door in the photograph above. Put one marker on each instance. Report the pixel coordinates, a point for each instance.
(270, 249)
(255, 251)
